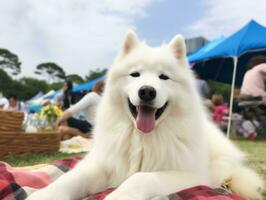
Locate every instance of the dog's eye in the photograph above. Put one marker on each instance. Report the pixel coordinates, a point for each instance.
(163, 77)
(135, 74)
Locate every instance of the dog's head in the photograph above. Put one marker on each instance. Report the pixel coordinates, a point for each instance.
(148, 82)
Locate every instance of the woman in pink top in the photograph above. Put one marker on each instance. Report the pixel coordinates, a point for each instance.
(254, 79)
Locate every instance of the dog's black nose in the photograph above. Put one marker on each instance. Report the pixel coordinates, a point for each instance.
(147, 93)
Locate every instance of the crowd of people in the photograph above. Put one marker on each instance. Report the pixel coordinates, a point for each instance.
(215, 103)
(78, 116)
(249, 104)
(248, 113)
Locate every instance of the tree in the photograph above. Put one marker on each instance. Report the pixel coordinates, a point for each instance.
(94, 74)
(19, 89)
(75, 78)
(10, 61)
(5, 82)
(24, 88)
(32, 86)
(51, 70)
(55, 86)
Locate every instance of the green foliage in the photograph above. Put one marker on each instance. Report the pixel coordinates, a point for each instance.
(55, 86)
(262, 134)
(51, 70)
(32, 86)
(25, 88)
(75, 78)
(221, 88)
(5, 82)
(94, 74)
(9, 61)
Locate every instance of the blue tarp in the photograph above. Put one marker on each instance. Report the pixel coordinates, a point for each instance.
(77, 88)
(55, 94)
(87, 86)
(205, 49)
(252, 36)
(217, 63)
(36, 96)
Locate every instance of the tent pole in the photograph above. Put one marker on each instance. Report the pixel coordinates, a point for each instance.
(232, 96)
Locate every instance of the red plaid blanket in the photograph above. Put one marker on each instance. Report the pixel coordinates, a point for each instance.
(17, 184)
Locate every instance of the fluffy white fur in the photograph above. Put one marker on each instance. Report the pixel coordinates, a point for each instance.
(184, 149)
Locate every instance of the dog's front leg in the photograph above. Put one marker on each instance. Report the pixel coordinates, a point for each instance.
(86, 177)
(148, 185)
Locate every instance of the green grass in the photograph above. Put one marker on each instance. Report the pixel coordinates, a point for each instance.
(256, 157)
(256, 154)
(33, 159)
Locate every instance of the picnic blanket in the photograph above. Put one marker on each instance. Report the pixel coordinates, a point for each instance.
(18, 183)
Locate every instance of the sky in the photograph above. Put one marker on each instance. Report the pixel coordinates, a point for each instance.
(83, 35)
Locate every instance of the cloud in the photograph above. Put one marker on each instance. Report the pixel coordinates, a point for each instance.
(79, 35)
(227, 16)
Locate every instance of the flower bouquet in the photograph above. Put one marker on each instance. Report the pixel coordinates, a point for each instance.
(50, 113)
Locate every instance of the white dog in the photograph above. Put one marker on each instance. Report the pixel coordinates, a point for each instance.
(152, 134)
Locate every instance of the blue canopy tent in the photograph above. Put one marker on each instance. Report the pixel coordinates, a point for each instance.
(77, 88)
(53, 95)
(36, 96)
(203, 50)
(218, 62)
(87, 86)
(226, 62)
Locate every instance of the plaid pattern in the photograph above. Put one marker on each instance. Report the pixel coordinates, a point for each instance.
(18, 183)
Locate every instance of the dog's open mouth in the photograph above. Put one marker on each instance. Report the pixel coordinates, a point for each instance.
(146, 115)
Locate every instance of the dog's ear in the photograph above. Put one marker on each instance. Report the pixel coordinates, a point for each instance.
(130, 42)
(178, 46)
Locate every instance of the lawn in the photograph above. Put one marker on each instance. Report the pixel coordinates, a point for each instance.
(256, 153)
(33, 159)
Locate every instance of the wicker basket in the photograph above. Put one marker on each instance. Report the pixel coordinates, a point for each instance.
(17, 143)
(11, 121)
(13, 141)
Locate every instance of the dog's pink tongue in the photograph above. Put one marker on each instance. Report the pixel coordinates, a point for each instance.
(145, 119)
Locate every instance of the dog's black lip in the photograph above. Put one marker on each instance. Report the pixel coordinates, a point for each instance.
(134, 112)
(132, 108)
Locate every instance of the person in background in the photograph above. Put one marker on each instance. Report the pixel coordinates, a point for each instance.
(250, 126)
(221, 111)
(236, 94)
(209, 105)
(3, 102)
(67, 97)
(88, 104)
(202, 86)
(204, 91)
(236, 118)
(14, 104)
(255, 77)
